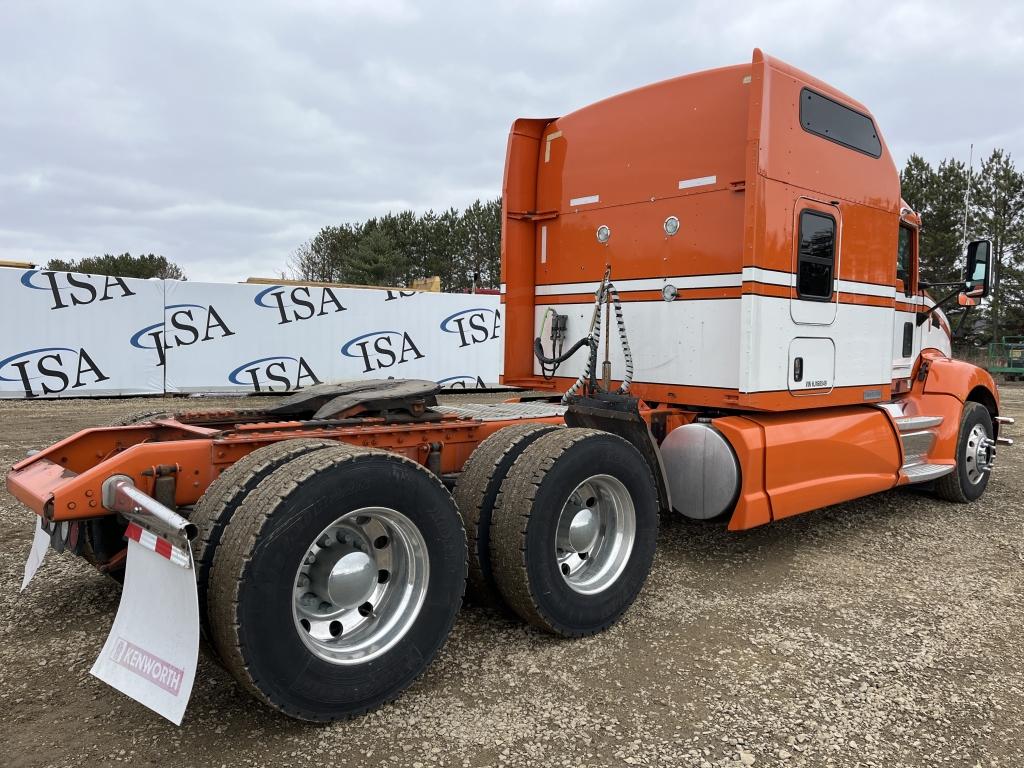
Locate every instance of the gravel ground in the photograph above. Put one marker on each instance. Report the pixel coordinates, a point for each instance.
(880, 632)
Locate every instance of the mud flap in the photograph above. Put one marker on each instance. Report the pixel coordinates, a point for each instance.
(152, 650)
(40, 544)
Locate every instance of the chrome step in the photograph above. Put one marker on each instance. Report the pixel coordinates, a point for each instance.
(916, 446)
(915, 423)
(917, 435)
(922, 473)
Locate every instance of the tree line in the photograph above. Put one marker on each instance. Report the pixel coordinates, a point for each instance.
(143, 266)
(463, 248)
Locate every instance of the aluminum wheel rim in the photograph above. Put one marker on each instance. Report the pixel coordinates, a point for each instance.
(360, 585)
(595, 534)
(977, 454)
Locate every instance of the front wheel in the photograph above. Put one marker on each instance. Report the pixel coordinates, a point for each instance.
(337, 582)
(975, 452)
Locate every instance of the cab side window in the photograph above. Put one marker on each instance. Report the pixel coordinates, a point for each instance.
(904, 256)
(816, 256)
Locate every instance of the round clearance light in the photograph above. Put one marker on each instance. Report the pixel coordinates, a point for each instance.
(671, 225)
(603, 233)
(669, 293)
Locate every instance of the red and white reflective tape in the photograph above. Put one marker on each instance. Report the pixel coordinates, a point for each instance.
(162, 547)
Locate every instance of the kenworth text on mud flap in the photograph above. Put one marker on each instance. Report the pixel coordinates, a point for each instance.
(716, 278)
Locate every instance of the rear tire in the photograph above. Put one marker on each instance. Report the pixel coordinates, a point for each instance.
(574, 531)
(967, 482)
(224, 496)
(475, 493)
(297, 516)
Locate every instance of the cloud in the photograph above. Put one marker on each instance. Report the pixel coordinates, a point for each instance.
(224, 134)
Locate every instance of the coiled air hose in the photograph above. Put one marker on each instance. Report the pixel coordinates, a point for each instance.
(588, 377)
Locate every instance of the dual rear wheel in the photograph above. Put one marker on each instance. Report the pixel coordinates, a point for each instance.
(330, 575)
(565, 528)
(335, 579)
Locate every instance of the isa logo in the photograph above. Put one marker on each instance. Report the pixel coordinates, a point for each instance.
(464, 381)
(183, 326)
(473, 326)
(298, 303)
(382, 349)
(279, 373)
(51, 370)
(67, 289)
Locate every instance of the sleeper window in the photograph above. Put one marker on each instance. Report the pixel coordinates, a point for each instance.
(836, 122)
(816, 256)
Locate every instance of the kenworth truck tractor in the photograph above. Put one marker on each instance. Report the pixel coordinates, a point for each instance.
(717, 281)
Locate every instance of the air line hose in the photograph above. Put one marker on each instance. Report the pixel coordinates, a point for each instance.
(593, 339)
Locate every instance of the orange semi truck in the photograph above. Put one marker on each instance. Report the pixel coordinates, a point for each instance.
(774, 351)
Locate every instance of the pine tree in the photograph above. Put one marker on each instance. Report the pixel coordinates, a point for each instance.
(482, 223)
(938, 196)
(917, 180)
(998, 214)
(376, 260)
(942, 250)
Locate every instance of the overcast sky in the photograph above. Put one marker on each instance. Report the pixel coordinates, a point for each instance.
(224, 134)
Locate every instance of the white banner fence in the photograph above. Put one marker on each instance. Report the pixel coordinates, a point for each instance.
(73, 335)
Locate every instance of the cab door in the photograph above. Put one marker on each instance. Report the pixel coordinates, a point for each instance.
(814, 298)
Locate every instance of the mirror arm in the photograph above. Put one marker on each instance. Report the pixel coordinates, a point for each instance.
(922, 317)
(957, 333)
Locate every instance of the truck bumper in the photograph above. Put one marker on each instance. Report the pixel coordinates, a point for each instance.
(35, 484)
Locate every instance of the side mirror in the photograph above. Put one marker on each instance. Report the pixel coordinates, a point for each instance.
(978, 274)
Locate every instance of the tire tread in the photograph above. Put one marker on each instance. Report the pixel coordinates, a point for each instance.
(477, 482)
(235, 551)
(226, 494)
(513, 509)
(950, 486)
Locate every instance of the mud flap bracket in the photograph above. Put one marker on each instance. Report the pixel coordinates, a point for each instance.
(620, 415)
(119, 494)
